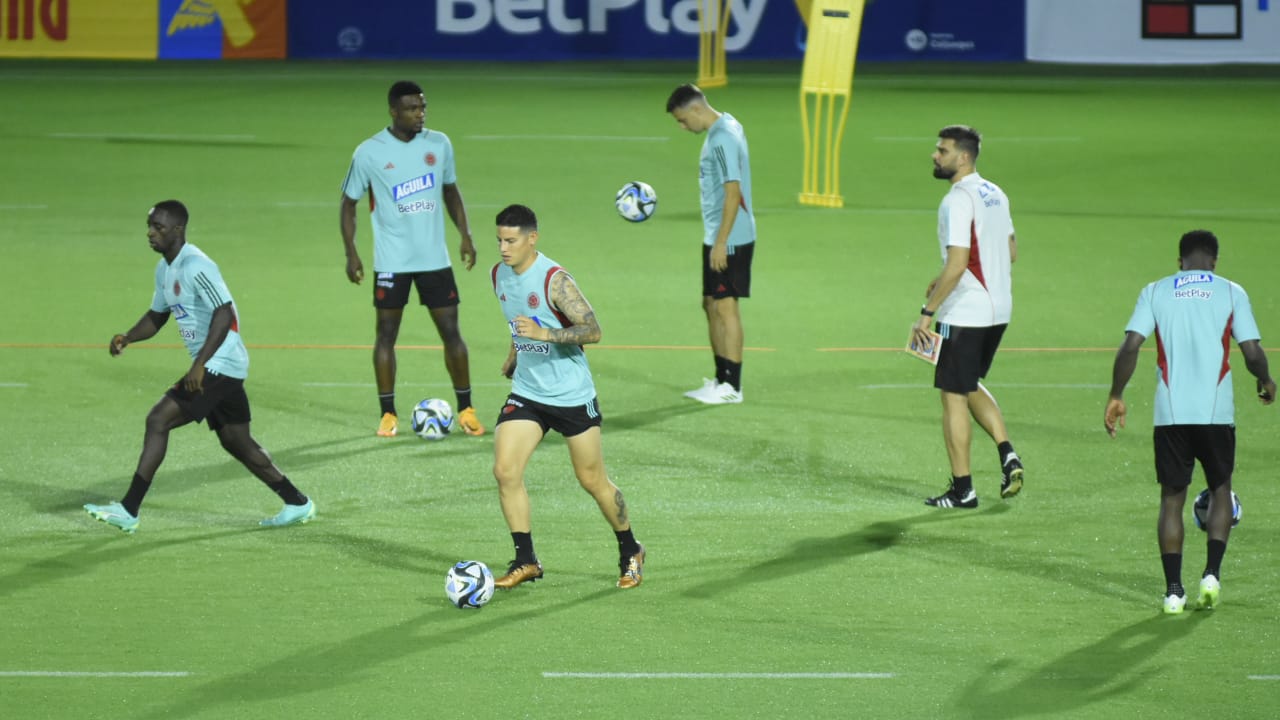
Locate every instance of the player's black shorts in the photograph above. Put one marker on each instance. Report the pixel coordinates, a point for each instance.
(966, 357)
(222, 401)
(568, 421)
(436, 289)
(735, 281)
(1178, 447)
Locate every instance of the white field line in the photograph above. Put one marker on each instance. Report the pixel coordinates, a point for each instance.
(73, 674)
(995, 386)
(575, 138)
(715, 676)
(14, 385)
(1264, 677)
(149, 136)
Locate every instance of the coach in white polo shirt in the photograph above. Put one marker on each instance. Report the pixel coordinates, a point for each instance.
(971, 300)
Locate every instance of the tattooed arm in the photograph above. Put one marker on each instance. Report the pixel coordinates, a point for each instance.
(568, 299)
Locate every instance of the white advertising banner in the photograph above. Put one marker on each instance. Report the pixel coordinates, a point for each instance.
(1153, 32)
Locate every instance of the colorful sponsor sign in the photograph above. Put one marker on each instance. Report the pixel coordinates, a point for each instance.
(143, 29)
(1192, 19)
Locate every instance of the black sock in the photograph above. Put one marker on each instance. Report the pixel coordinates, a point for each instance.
(388, 402)
(524, 547)
(733, 374)
(133, 498)
(962, 485)
(1004, 449)
(1213, 566)
(288, 493)
(721, 372)
(464, 398)
(627, 545)
(1172, 563)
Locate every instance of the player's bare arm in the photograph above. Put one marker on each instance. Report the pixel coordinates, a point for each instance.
(1013, 248)
(720, 249)
(458, 214)
(1126, 362)
(219, 326)
(940, 289)
(146, 327)
(568, 299)
(347, 223)
(1255, 360)
(509, 365)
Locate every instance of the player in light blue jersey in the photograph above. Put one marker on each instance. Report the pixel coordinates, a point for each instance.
(1194, 314)
(190, 287)
(729, 236)
(408, 171)
(551, 389)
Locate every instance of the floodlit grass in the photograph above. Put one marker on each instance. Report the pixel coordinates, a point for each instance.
(793, 570)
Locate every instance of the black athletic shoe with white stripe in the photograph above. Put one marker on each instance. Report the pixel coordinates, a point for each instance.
(1013, 473)
(953, 499)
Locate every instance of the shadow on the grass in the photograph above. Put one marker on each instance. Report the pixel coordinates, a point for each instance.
(1112, 667)
(323, 666)
(652, 416)
(813, 553)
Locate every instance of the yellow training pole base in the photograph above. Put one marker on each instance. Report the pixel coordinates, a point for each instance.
(819, 200)
(713, 81)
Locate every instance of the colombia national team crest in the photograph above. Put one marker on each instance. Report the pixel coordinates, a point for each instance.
(177, 288)
(430, 159)
(533, 302)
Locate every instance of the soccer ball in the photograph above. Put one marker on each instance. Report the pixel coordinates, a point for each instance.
(636, 201)
(469, 584)
(1200, 510)
(432, 419)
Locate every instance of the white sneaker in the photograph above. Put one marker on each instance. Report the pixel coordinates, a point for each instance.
(1210, 588)
(1173, 604)
(718, 394)
(707, 384)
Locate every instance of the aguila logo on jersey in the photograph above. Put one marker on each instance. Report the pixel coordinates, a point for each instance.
(1189, 279)
(416, 185)
(430, 159)
(532, 301)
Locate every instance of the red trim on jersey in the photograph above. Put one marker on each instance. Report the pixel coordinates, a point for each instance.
(546, 293)
(975, 255)
(493, 277)
(1226, 349)
(371, 203)
(1162, 362)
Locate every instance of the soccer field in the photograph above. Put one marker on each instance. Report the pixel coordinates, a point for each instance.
(793, 570)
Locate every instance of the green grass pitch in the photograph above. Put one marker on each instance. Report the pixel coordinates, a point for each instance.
(793, 570)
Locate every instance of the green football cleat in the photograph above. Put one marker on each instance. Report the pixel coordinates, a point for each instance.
(1173, 604)
(292, 515)
(1210, 588)
(113, 514)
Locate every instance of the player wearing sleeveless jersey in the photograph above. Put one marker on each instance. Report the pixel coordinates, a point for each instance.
(409, 173)
(972, 301)
(189, 286)
(729, 236)
(551, 389)
(1194, 314)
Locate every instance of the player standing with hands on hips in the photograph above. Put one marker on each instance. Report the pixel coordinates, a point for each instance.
(972, 302)
(409, 170)
(551, 389)
(1193, 313)
(729, 236)
(189, 286)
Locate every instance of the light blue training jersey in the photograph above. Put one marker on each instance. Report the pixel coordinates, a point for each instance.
(725, 159)
(1194, 315)
(407, 181)
(191, 288)
(551, 373)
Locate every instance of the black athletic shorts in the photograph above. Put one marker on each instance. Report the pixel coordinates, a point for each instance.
(568, 421)
(735, 281)
(436, 289)
(222, 401)
(965, 357)
(1178, 447)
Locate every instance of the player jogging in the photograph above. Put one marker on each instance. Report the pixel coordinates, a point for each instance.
(1193, 314)
(972, 301)
(409, 172)
(189, 287)
(551, 389)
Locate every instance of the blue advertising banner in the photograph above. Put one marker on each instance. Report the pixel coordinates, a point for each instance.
(639, 29)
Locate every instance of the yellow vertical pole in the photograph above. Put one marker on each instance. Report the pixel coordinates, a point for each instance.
(825, 81)
(713, 26)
